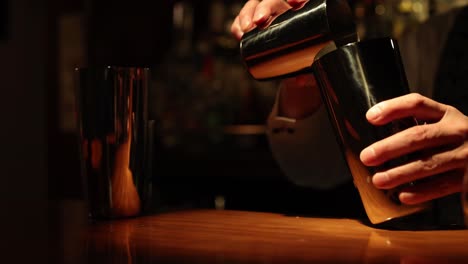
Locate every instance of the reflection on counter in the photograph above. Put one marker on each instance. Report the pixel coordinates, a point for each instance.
(416, 247)
(212, 236)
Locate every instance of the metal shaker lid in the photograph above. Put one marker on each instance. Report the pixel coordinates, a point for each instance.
(288, 46)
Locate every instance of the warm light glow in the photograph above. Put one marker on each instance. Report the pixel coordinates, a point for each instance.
(380, 10)
(405, 6)
(418, 7)
(178, 15)
(125, 198)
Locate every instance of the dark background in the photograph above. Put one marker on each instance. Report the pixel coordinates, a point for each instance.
(3, 20)
(39, 160)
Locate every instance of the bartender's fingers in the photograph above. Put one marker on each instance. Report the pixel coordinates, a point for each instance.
(256, 13)
(235, 29)
(296, 4)
(417, 138)
(450, 131)
(436, 187)
(243, 21)
(410, 105)
(246, 15)
(423, 167)
(266, 10)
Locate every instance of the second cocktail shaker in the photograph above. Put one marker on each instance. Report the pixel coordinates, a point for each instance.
(320, 39)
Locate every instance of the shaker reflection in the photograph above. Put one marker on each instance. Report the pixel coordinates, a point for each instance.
(115, 135)
(406, 247)
(114, 247)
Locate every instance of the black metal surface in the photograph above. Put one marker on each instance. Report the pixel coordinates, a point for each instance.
(115, 139)
(352, 79)
(293, 38)
(357, 76)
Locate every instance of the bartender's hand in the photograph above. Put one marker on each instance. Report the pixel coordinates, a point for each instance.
(256, 13)
(442, 142)
(299, 96)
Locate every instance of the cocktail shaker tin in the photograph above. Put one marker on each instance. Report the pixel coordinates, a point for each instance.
(290, 43)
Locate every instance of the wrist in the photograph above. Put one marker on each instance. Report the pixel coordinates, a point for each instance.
(299, 97)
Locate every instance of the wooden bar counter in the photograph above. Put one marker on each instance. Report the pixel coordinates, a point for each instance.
(224, 236)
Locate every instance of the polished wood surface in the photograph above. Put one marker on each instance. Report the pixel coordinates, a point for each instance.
(379, 205)
(222, 236)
